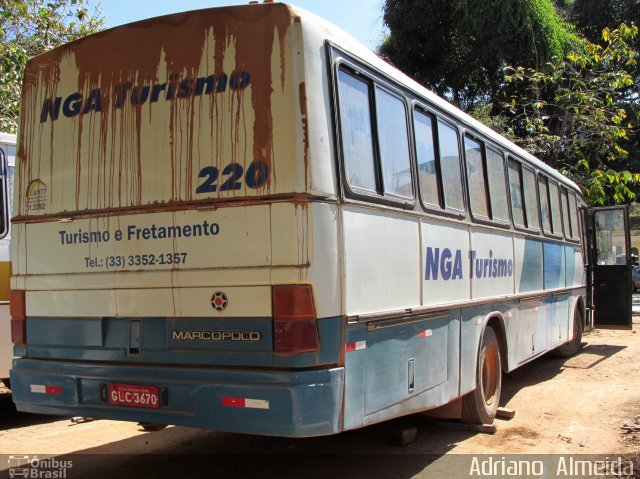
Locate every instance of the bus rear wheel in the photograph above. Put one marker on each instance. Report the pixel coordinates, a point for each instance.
(480, 406)
(571, 348)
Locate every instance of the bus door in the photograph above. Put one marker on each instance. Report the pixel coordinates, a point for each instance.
(610, 276)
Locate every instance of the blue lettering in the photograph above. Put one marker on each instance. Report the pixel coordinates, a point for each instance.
(94, 102)
(157, 88)
(445, 264)
(431, 268)
(72, 105)
(50, 108)
(140, 96)
(185, 88)
(175, 87)
(457, 266)
(240, 80)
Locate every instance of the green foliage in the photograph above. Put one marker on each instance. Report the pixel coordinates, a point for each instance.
(459, 48)
(580, 115)
(28, 28)
(593, 16)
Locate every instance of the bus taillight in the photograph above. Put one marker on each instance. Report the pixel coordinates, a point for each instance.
(18, 310)
(294, 319)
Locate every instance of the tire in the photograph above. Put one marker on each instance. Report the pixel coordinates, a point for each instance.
(572, 347)
(480, 406)
(152, 426)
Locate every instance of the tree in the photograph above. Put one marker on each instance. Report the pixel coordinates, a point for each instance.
(28, 28)
(580, 115)
(593, 16)
(459, 48)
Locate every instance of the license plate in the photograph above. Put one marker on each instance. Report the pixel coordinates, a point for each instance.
(134, 395)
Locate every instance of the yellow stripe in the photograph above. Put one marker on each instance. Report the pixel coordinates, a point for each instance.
(5, 274)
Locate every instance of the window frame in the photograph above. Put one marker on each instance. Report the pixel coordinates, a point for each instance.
(484, 144)
(551, 234)
(505, 183)
(569, 195)
(353, 192)
(438, 119)
(573, 197)
(525, 215)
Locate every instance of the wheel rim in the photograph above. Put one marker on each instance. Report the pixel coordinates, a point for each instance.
(490, 375)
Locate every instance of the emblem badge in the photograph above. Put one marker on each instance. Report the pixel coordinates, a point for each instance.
(219, 301)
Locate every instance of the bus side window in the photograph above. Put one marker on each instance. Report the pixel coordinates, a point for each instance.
(531, 199)
(357, 132)
(515, 192)
(543, 187)
(554, 201)
(450, 166)
(393, 140)
(497, 185)
(573, 215)
(4, 198)
(430, 191)
(479, 205)
(564, 203)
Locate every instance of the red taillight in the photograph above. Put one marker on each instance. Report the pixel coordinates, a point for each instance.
(294, 320)
(18, 310)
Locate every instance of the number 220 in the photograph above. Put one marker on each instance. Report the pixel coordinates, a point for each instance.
(257, 175)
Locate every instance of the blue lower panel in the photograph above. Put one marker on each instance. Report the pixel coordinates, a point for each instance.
(300, 404)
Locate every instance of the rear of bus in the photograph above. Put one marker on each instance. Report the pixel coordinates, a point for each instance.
(174, 243)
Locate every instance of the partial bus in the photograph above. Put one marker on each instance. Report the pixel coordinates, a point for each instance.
(7, 163)
(242, 219)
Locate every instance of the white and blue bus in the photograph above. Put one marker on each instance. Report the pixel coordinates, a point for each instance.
(242, 219)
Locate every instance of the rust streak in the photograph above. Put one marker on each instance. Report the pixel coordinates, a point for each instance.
(139, 147)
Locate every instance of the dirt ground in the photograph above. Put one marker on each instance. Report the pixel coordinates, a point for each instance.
(589, 404)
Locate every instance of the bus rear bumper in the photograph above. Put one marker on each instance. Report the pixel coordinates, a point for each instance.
(278, 403)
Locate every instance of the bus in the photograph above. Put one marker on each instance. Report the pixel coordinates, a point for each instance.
(7, 163)
(242, 219)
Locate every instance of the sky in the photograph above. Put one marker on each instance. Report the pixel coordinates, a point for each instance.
(360, 18)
